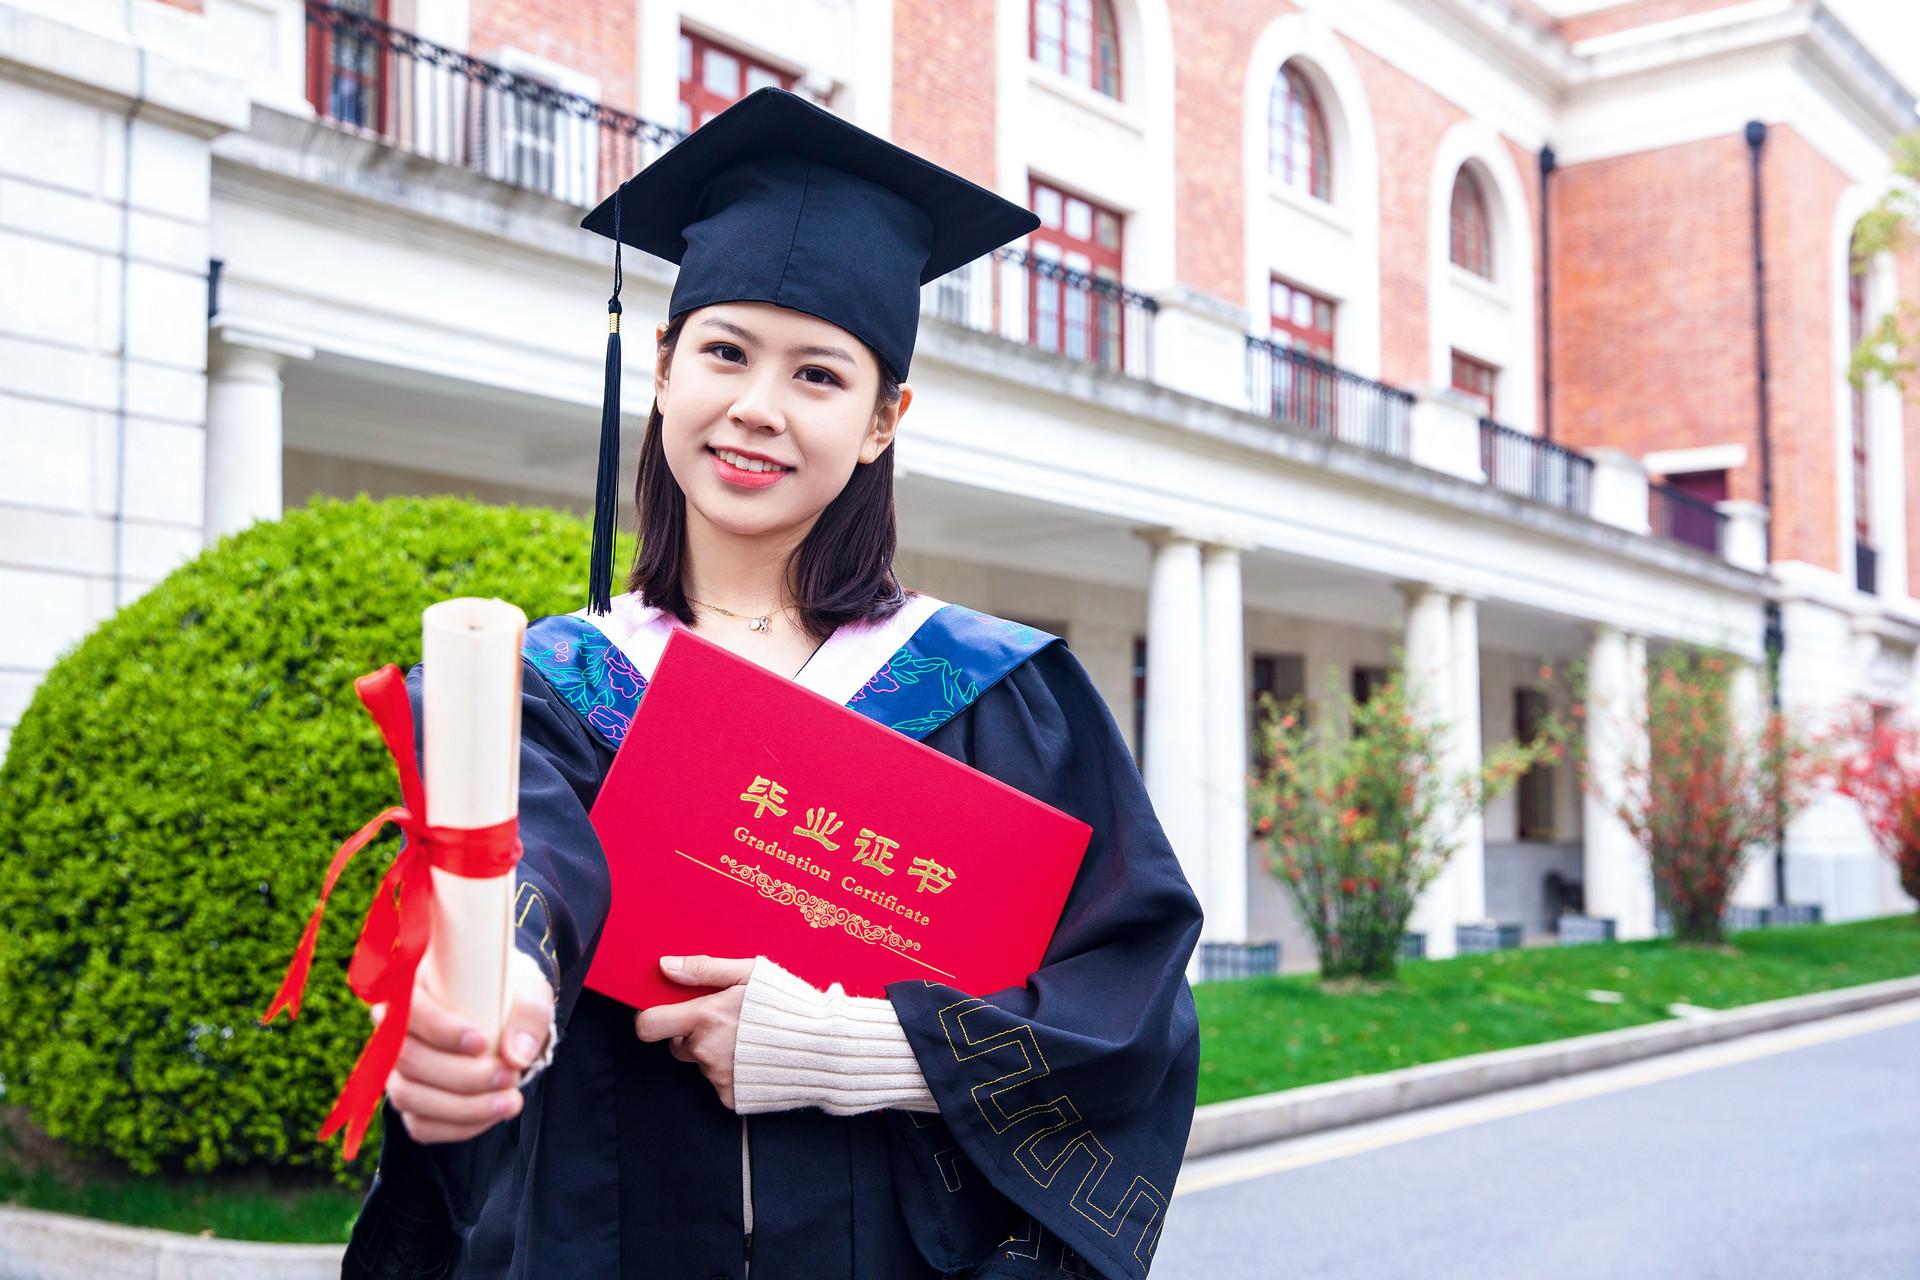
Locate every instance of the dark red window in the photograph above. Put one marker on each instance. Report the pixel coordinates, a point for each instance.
(1305, 392)
(1862, 486)
(1535, 790)
(1297, 136)
(1472, 233)
(1301, 319)
(1078, 39)
(714, 77)
(1477, 378)
(347, 66)
(1282, 675)
(1075, 308)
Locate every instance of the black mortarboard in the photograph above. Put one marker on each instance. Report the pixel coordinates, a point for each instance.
(778, 200)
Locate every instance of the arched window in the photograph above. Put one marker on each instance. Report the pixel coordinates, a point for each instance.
(1472, 232)
(1297, 136)
(1077, 38)
(1857, 406)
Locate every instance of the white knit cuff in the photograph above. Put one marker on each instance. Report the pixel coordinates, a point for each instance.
(524, 970)
(802, 1047)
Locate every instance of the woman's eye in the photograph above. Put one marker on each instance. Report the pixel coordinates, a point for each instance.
(725, 350)
(826, 379)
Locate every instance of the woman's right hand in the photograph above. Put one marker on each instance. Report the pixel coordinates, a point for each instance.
(446, 1086)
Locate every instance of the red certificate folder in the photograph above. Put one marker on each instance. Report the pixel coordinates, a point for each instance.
(745, 815)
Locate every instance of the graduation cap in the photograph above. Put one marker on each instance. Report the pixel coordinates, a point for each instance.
(778, 200)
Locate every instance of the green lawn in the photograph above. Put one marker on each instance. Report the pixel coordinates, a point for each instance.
(1256, 1036)
(298, 1210)
(1265, 1034)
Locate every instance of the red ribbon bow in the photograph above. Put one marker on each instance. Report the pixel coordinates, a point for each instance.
(400, 920)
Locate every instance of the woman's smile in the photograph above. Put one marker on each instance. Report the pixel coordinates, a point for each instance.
(744, 469)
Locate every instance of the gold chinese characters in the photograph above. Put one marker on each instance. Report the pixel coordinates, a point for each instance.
(821, 824)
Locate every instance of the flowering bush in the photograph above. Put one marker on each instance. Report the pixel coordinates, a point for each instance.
(1701, 790)
(1881, 773)
(1359, 823)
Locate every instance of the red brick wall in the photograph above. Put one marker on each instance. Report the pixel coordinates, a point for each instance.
(1802, 190)
(1639, 14)
(1653, 303)
(943, 84)
(1211, 39)
(1653, 333)
(593, 38)
(1409, 120)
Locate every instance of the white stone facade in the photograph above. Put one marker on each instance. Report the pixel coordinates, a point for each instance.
(393, 324)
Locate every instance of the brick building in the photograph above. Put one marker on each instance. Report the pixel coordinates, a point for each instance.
(1350, 326)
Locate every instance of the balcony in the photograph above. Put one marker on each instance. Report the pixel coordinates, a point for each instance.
(1040, 303)
(370, 78)
(1681, 518)
(1304, 391)
(1534, 468)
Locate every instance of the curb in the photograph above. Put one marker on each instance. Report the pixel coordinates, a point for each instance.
(36, 1245)
(1248, 1122)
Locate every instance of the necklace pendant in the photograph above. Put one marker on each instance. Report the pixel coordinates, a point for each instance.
(760, 624)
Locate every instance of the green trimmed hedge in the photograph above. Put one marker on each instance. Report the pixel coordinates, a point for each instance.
(168, 804)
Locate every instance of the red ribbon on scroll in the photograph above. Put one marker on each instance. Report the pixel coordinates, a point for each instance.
(400, 920)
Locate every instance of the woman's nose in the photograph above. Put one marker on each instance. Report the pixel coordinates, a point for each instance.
(758, 405)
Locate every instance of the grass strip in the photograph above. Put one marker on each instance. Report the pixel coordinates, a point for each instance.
(1262, 1035)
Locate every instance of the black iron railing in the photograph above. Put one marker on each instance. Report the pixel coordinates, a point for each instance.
(1305, 391)
(1684, 518)
(1534, 468)
(1866, 568)
(1037, 301)
(369, 77)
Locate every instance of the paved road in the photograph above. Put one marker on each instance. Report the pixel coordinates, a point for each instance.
(1794, 1154)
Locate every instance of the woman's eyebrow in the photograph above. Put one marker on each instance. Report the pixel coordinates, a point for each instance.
(746, 335)
(824, 353)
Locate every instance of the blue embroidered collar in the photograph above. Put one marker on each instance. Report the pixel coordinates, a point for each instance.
(912, 672)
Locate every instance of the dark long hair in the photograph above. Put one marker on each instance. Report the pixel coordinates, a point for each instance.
(842, 571)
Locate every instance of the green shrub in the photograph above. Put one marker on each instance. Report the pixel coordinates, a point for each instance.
(168, 804)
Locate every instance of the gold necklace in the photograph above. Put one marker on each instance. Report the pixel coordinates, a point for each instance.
(763, 623)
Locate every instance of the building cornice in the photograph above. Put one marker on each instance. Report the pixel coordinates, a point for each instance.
(1549, 65)
(1747, 29)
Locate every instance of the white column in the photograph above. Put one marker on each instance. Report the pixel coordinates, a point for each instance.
(1429, 676)
(1616, 868)
(244, 437)
(1748, 699)
(1175, 747)
(1469, 866)
(1226, 730)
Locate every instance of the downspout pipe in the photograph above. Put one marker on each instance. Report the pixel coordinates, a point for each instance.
(1776, 636)
(1548, 162)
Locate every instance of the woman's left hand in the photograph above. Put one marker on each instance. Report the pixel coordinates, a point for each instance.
(702, 1030)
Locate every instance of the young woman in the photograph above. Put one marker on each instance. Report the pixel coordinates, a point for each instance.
(770, 1129)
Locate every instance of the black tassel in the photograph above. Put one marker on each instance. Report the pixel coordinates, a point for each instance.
(606, 490)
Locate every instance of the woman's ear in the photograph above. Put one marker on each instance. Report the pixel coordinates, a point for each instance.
(886, 421)
(661, 359)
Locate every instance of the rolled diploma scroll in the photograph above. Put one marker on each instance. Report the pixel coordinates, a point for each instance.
(471, 699)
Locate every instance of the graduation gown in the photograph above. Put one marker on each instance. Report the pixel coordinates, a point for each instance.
(1064, 1104)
